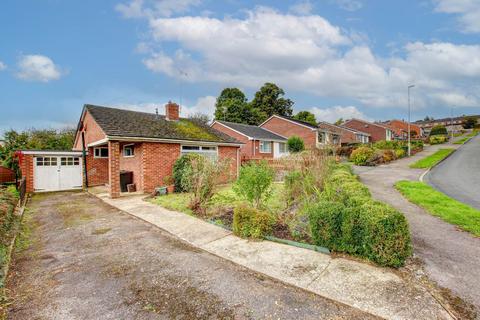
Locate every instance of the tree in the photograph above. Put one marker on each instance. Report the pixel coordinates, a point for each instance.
(469, 122)
(269, 100)
(339, 122)
(306, 116)
(427, 118)
(199, 118)
(232, 106)
(295, 144)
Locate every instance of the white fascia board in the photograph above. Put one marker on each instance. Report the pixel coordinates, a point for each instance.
(98, 143)
(189, 142)
(51, 153)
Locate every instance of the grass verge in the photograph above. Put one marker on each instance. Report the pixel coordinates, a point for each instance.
(432, 159)
(462, 141)
(440, 205)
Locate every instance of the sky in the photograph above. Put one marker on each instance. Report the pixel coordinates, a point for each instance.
(335, 58)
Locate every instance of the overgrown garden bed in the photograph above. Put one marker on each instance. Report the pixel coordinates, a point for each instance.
(383, 152)
(317, 201)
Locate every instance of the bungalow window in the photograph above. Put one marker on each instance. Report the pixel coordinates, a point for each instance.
(206, 151)
(100, 152)
(322, 137)
(128, 151)
(282, 147)
(265, 146)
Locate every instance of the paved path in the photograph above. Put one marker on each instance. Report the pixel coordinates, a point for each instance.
(88, 260)
(459, 175)
(375, 290)
(451, 256)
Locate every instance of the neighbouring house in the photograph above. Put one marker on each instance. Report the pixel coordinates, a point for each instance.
(346, 135)
(312, 135)
(259, 143)
(116, 141)
(377, 131)
(400, 129)
(453, 124)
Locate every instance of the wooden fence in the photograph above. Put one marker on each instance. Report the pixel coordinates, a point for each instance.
(6, 175)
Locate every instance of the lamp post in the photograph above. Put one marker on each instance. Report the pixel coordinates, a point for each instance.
(409, 146)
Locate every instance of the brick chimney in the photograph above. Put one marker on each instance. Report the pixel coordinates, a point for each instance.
(172, 111)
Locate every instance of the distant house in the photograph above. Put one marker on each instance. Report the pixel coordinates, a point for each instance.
(312, 135)
(259, 143)
(377, 131)
(400, 129)
(346, 135)
(120, 143)
(454, 124)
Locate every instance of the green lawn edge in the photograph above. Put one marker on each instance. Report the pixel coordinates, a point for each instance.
(441, 205)
(432, 159)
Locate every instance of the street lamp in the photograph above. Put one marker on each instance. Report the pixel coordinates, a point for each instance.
(409, 146)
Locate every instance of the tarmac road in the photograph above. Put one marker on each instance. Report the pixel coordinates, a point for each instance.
(459, 175)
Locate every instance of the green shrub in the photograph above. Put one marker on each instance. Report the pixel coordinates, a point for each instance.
(294, 185)
(361, 155)
(438, 130)
(346, 219)
(254, 183)
(181, 165)
(400, 153)
(437, 139)
(295, 144)
(249, 222)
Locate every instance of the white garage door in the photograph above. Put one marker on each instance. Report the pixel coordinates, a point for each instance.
(54, 173)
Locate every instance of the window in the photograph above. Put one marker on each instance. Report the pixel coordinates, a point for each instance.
(69, 161)
(322, 137)
(282, 147)
(100, 152)
(208, 152)
(265, 146)
(46, 161)
(129, 150)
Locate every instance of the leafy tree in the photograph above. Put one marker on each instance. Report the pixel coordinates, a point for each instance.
(295, 144)
(339, 122)
(306, 116)
(232, 106)
(438, 130)
(199, 118)
(469, 122)
(269, 100)
(427, 118)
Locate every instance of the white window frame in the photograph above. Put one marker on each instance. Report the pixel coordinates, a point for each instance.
(129, 146)
(261, 146)
(280, 144)
(100, 152)
(211, 152)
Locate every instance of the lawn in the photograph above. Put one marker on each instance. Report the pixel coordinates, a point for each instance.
(440, 205)
(432, 159)
(462, 141)
(224, 198)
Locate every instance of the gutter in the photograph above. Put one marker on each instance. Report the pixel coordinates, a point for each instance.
(144, 139)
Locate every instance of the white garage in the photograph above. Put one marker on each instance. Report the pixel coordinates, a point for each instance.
(56, 170)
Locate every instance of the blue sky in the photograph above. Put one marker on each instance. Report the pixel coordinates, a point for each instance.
(336, 58)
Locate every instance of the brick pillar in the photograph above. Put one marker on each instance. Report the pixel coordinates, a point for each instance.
(114, 168)
(26, 168)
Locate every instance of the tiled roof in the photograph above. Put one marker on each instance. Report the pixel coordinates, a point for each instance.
(252, 131)
(126, 123)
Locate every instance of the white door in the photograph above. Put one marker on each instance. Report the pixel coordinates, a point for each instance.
(279, 149)
(53, 173)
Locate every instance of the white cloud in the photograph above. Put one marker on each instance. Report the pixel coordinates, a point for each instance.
(154, 8)
(302, 8)
(468, 12)
(3, 66)
(349, 5)
(309, 54)
(332, 114)
(37, 68)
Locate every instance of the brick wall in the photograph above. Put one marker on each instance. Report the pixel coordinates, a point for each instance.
(287, 129)
(229, 153)
(93, 132)
(26, 167)
(157, 162)
(114, 168)
(377, 133)
(6, 175)
(133, 164)
(97, 169)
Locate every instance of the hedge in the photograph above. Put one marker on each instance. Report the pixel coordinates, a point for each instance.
(249, 222)
(347, 219)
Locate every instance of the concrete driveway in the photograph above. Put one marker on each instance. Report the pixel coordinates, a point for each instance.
(459, 175)
(451, 257)
(88, 260)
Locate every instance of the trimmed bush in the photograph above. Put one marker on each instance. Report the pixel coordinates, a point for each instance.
(438, 130)
(437, 139)
(180, 167)
(295, 144)
(249, 222)
(254, 183)
(361, 155)
(346, 219)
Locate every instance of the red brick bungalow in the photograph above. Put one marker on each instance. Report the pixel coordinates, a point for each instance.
(143, 143)
(377, 131)
(400, 129)
(312, 135)
(259, 143)
(347, 135)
